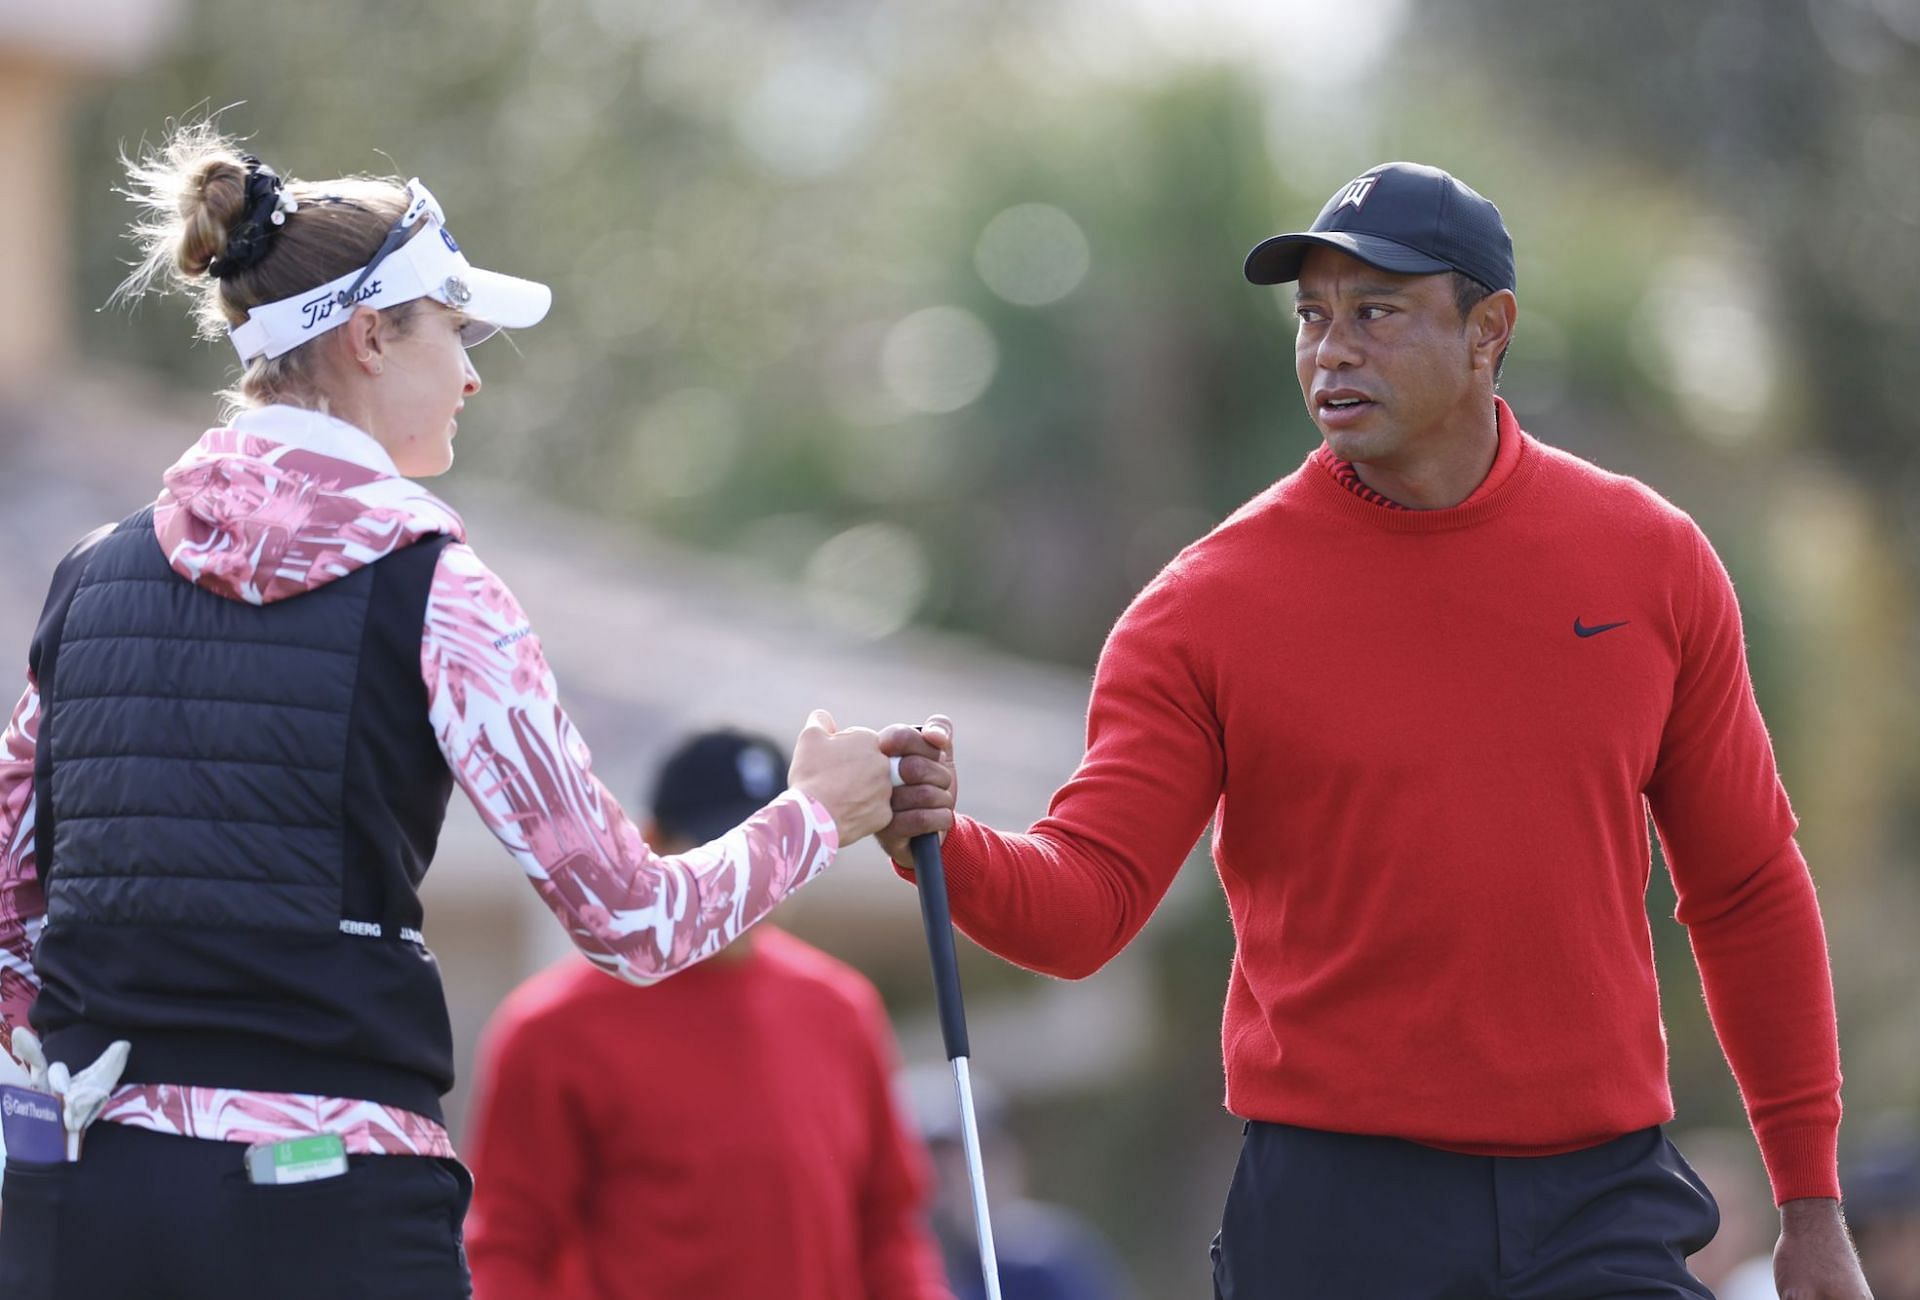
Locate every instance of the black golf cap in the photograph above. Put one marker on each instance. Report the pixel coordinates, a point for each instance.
(1399, 216)
(714, 781)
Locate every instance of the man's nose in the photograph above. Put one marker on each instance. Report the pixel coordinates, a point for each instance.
(1339, 346)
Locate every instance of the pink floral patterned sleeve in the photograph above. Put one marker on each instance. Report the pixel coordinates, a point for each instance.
(495, 708)
(22, 906)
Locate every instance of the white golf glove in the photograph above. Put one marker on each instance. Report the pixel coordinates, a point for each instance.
(26, 1050)
(83, 1096)
(86, 1093)
(26, 1068)
(14, 1074)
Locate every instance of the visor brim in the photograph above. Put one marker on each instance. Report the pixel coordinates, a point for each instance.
(505, 302)
(1277, 260)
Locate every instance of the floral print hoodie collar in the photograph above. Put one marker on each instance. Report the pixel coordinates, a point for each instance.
(285, 500)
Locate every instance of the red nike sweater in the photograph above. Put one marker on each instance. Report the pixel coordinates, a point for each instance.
(1428, 742)
(730, 1134)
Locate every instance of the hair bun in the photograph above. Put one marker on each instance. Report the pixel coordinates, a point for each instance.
(251, 238)
(214, 222)
(212, 202)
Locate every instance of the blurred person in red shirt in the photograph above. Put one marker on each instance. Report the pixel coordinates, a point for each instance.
(732, 1134)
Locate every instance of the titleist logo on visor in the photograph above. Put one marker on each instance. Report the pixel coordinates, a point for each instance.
(317, 309)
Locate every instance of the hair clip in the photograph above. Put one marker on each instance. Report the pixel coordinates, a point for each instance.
(284, 204)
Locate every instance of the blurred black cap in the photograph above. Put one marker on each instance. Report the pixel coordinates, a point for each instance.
(1399, 216)
(714, 780)
(1883, 1181)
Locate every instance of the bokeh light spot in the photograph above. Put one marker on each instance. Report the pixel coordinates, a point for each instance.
(938, 359)
(684, 444)
(1702, 329)
(1032, 254)
(869, 580)
(808, 118)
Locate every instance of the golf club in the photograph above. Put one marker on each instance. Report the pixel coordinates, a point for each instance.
(930, 876)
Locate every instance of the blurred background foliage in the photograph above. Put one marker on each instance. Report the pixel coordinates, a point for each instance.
(935, 310)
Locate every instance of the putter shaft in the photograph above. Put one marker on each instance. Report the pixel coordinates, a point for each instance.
(977, 1178)
(931, 877)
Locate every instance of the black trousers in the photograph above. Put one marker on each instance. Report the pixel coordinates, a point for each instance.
(147, 1216)
(1334, 1216)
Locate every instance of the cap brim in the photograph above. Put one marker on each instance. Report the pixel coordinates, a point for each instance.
(1277, 260)
(506, 301)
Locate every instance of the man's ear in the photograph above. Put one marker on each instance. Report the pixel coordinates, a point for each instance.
(1490, 326)
(365, 338)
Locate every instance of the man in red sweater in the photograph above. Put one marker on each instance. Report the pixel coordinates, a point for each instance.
(729, 1134)
(1427, 689)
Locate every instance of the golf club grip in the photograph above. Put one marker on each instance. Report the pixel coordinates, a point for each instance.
(931, 877)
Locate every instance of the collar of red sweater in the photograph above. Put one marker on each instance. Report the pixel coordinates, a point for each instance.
(1514, 464)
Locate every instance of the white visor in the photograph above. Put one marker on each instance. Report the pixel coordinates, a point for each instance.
(427, 265)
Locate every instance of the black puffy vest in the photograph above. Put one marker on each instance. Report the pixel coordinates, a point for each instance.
(235, 806)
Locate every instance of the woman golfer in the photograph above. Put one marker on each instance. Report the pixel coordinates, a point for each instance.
(247, 705)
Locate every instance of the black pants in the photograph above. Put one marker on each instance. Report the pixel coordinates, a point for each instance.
(1332, 1216)
(146, 1216)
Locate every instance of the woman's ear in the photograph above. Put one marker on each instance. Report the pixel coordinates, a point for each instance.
(366, 340)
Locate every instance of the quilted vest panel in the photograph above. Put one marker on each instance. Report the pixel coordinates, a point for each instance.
(235, 805)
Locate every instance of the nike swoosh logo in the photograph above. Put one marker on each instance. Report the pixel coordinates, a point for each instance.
(1579, 630)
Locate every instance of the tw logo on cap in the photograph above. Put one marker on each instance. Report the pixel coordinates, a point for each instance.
(1355, 193)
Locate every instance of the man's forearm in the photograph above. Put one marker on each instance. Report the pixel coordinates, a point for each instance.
(1046, 902)
(1763, 963)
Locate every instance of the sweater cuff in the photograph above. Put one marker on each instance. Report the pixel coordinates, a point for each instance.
(960, 855)
(1802, 1162)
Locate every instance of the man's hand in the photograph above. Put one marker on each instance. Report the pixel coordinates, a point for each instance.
(930, 784)
(1814, 1259)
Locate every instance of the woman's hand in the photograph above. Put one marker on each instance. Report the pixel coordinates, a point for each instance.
(846, 771)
